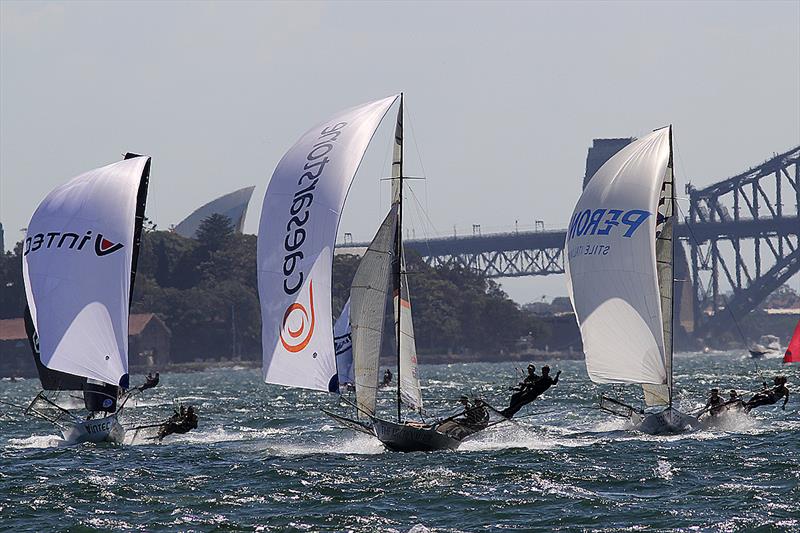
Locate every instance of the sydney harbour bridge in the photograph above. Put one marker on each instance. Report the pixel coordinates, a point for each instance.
(739, 242)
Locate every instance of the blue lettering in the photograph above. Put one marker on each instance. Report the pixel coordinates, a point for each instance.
(583, 222)
(595, 220)
(610, 222)
(633, 219)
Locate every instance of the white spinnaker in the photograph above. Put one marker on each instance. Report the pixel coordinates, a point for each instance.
(297, 232)
(77, 269)
(612, 277)
(343, 345)
(368, 295)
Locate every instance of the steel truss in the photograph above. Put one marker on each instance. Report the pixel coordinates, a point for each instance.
(757, 211)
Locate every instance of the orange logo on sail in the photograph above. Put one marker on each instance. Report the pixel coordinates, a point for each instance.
(300, 337)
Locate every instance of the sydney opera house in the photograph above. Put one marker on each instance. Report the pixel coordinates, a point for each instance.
(233, 205)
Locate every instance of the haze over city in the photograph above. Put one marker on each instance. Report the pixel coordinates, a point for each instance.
(503, 100)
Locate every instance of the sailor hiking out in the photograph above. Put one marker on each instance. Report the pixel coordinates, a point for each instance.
(529, 389)
(770, 396)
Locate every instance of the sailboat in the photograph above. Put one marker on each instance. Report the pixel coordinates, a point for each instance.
(79, 267)
(619, 268)
(297, 234)
(792, 354)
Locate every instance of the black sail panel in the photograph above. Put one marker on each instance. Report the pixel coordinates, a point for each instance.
(51, 379)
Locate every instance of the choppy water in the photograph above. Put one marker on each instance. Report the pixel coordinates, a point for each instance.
(265, 459)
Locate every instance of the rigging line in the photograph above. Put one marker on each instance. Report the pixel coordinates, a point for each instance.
(414, 139)
(727, 308)
(421, 210)
(419, 158)
(426, 217)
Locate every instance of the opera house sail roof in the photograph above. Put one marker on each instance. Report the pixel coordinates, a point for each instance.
(232, 205)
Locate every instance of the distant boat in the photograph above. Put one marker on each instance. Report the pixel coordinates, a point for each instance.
(79, 266)
(298, 228)
(768, 346)
(792, 354)
(620, 278)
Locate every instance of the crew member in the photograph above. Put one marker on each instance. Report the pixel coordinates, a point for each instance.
(150, 381)
(714, 403)
(531, 377)
(387, 377)
(478, 415)
(734, 400)
(770, 396)
(529, 390)
(182, 421)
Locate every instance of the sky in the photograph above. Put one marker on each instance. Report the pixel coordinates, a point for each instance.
(502, 99)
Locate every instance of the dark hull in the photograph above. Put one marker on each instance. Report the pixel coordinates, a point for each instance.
(667, 422)
(405, 438)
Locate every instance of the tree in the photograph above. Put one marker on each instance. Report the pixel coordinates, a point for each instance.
(214, 231)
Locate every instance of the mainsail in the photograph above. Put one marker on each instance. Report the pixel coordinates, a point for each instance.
(79, 264)
(368, 294)
(792, 354)
(618, 245)
(297, 232)
(665, 250)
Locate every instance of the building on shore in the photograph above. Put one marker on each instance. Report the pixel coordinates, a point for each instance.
(148, 346)
(601, 151)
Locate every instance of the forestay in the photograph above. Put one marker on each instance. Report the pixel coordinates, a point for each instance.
(77, 262)
(612, 275)
(368, 295)
(297, 232)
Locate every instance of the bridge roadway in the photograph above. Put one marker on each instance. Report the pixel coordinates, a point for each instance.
(539, 253)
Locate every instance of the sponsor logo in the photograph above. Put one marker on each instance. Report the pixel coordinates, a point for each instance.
(298, 338)
(299, 211)
(342, 344)
(70, 241)
(98, 427)
(592, 222)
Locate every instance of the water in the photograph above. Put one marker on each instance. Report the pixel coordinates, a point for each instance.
(265, 459)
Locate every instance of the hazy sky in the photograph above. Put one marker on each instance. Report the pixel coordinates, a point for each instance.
(504, 98)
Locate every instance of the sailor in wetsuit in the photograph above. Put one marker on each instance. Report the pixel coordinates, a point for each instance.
(183, 421)
(387, 378)
(478, 415)
(475, 414)
(714, 403)
(529, 390)
(770, 396)
(150, 381)
(734, 401)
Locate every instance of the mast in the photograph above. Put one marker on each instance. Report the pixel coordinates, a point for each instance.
(672, 269)
(398, 139)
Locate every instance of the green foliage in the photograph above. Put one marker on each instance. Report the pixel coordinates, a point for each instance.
(214, 231)
(206, 291)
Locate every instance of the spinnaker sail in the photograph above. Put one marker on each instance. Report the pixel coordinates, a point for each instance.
(297, 233)
(619, 273)
(79, 264)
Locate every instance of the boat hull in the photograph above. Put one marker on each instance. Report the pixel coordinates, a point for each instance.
(667, 422)
(411, 438)
(107, 429)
